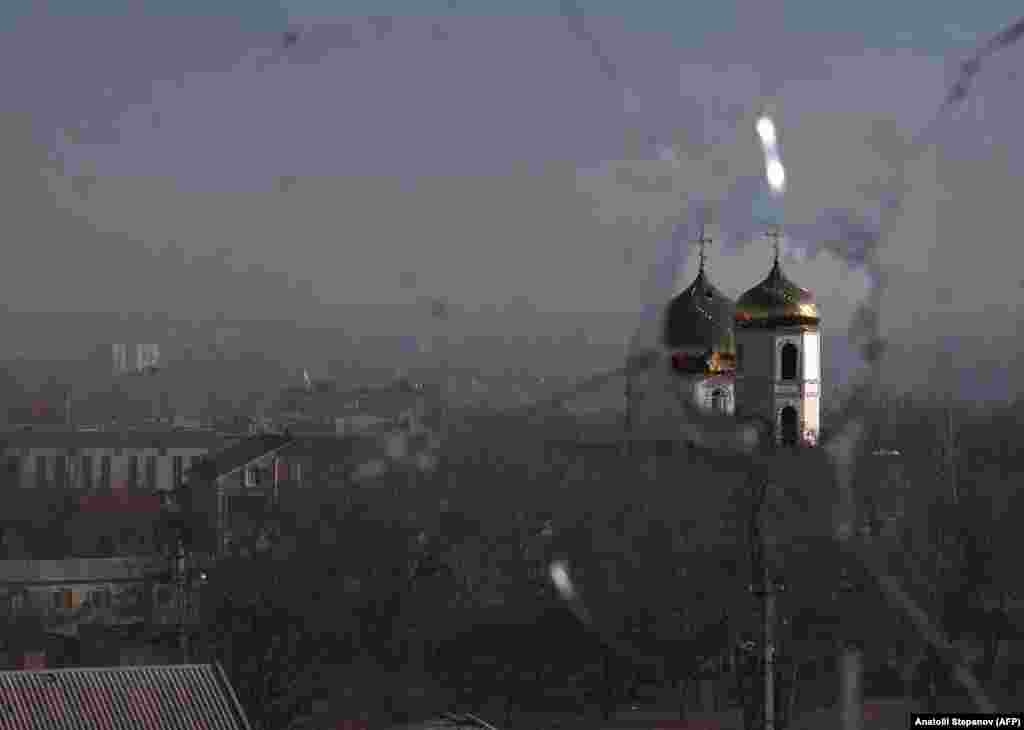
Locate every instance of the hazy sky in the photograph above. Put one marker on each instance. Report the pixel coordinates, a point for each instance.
(479, 146)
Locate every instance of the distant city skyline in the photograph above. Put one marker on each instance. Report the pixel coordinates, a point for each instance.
(250, 178)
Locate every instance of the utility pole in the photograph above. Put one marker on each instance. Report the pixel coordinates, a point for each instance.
(766, 589)
(769, 653)
(69, 420)
(851, 669)
(177, 514)
(950, 439)
(181, 579)
(440, 312)
(852, 692)
(628, 416)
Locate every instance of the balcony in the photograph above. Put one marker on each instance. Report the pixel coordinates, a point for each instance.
(78, 570)
(65, 594)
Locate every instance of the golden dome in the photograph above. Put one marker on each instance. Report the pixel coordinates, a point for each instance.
(776, 301)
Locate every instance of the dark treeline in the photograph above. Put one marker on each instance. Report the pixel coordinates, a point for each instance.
(416, 594)
(431, 593)
(441, 583)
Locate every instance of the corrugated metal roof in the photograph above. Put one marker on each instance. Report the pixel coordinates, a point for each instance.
(181, 697)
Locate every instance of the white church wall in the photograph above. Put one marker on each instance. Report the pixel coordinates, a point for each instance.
(811, 372)
(812, 418)
(756, 373)
(811, 351)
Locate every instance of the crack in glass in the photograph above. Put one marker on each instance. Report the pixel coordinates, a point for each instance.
(857, 246)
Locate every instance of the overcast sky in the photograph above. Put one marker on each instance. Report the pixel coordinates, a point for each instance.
(480, 147)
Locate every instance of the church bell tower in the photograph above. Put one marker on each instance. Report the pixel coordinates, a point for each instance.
(778, 369)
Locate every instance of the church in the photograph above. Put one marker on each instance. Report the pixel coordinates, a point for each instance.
(756, 358)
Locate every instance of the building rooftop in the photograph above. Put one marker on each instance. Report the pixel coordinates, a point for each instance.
(77, 569)
(465, 721)
(238, 455)
(182, 697)
(69, 439)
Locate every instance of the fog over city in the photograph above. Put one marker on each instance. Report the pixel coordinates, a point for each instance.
(324, 172)
(478, 363)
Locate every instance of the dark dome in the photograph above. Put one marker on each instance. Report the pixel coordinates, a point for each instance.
(700, 316)
(776, 301)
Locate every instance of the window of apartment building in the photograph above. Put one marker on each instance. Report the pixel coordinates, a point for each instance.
(60, 472)
(100, 598)
(177, 468)
(151, 473)
(164, 595)
(67, 599)
(87, 480)
(105, 547)
(40, 471)
(133, 472)
(14, 466)
(105, 472)
(129, 539)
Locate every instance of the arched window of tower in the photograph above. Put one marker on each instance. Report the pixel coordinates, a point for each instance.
(789, 361)
(789, 425)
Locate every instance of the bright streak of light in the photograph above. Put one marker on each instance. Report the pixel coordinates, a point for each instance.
(773, 167)
(766, 131)
(776, 174)
(560, 577)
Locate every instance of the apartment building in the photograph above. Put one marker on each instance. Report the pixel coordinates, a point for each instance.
(242, 489)
(46, 603)
(102, 460)
(68, 592)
